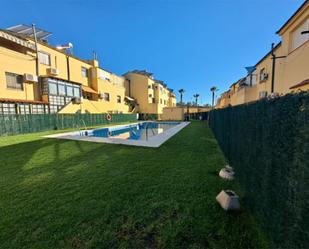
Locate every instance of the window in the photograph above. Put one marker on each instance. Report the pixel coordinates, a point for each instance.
(106, 96)
(118, 99)
(104, 75)
(149, 86)
(24, 108)
(61, 89)
(160, 101)
(38, 109)
(53, 109)
(84, 72)
(298, 38)
(7, 108)
(150, 95)
(69, 91)
(14, 81)
(153, 100)
(53, 88)
(164, 102)
(44, 58)
(59, 94)
(76, 92)
(263, 75)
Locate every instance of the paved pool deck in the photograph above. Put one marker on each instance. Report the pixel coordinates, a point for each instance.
(154, 141)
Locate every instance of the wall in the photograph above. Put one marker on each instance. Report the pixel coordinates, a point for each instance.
(172, 113)
(139, 91)
(294, 68)
(19, 63)
(90, 106)
(57, 60)
(114, 85)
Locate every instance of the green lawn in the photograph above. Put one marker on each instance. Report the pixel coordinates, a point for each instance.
(69, 194)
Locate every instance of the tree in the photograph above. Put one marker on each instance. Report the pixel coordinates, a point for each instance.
(181, 91)
(196, 96)
(213, 90)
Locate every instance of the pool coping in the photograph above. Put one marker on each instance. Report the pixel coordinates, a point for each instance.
(155, 141)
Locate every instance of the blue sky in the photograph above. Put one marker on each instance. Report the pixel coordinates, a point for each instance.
(190, 44)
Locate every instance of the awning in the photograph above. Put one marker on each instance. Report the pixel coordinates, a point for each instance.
(88, 90)
(17, 40)
(129, 98)
(22, 101)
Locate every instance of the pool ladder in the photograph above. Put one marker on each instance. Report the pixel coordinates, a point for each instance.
(81, 132)
(153, 133)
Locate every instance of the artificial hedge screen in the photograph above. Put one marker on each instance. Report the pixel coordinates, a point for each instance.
(267, 142)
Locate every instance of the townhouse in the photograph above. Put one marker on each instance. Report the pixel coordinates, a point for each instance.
(283, 70)
(37, 78)
(152, 95)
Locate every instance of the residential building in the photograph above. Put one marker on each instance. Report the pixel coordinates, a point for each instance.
(291, 72)
(151, 95)
(36, 77)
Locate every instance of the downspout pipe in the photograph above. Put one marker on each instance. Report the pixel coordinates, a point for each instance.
(68, 67)
(274, 58)
(273, 68)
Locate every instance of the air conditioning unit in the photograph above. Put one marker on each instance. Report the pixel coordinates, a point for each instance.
(262, 94)
(52, 71)
(30, 78)
(76, 100)
(101, 95)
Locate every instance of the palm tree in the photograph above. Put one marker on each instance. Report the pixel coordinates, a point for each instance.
(181, 91)
(196, 96)
(213, 90)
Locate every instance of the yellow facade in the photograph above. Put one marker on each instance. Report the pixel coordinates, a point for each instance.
(179, 112)
(151, 95)
(68, 84)
(173, 113)
(291, 71)
(18, 63)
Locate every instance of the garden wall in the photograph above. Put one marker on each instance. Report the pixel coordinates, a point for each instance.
(267, 142)
(18, 124)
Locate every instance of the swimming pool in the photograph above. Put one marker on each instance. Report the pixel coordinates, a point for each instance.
(148, 133)
(139, 131)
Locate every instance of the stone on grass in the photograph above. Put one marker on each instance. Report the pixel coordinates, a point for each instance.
(229, 167)
(228, 200)
(226, 173)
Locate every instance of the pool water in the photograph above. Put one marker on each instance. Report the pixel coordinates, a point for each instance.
(140, 131)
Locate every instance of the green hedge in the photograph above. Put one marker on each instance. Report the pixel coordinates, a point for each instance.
(18, 124)
(146, 116)
(197, 116)
(267, 143)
